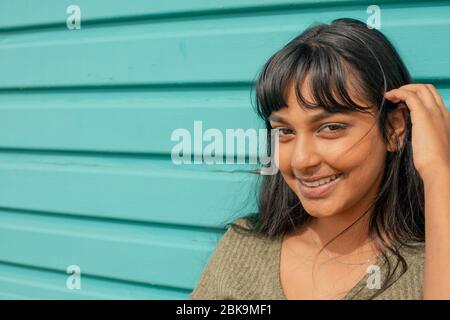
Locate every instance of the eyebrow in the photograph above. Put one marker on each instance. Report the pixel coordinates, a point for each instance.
(320, 116)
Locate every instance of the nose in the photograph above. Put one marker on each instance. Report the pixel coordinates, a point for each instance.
(305, 156)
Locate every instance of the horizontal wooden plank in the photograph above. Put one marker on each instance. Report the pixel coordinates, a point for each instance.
(153, 255)
(225, 50)
(122, 188)
(123, 121)
(19, 282)
(29, 13)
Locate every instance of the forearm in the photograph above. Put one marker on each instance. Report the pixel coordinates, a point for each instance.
(437, 237)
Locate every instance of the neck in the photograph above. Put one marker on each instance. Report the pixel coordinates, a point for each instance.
(355, 222)
(332, 229)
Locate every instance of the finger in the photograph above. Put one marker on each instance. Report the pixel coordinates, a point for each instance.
(412, 101)
(438, 98)
(425, 94)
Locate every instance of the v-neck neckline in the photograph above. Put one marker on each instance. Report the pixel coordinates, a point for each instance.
(356, 288)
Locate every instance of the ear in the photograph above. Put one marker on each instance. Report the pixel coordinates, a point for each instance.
(397, 119)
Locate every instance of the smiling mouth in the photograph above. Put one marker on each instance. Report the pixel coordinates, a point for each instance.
(321, 182)
(319, 189)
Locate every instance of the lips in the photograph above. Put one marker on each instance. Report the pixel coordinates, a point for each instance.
(318, 182)
(310, 190)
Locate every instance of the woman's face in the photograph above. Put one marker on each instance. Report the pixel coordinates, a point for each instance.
(310, 148)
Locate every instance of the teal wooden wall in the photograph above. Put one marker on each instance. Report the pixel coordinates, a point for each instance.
(86, 115)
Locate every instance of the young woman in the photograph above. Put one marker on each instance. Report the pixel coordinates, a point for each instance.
(360, 206)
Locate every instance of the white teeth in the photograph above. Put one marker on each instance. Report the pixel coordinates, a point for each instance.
(321, 181)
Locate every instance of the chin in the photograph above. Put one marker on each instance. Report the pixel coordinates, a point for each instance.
(319, 208)
(317, 213)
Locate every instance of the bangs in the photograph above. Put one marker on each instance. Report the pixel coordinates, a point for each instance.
(328, 74)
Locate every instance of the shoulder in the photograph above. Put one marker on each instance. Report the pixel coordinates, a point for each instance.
(414, 254)
(239, 240)
(238, 256)
(408, 284)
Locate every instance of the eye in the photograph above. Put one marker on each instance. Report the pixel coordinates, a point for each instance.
(334, 128)
(283, 132)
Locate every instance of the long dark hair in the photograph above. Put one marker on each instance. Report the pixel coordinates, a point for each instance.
(330, 55)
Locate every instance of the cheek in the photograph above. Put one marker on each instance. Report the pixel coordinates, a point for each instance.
(284, 158)
(284, 163)
(363, 166)
(366, 157)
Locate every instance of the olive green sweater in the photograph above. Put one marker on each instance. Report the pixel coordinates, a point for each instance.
(247, 267)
